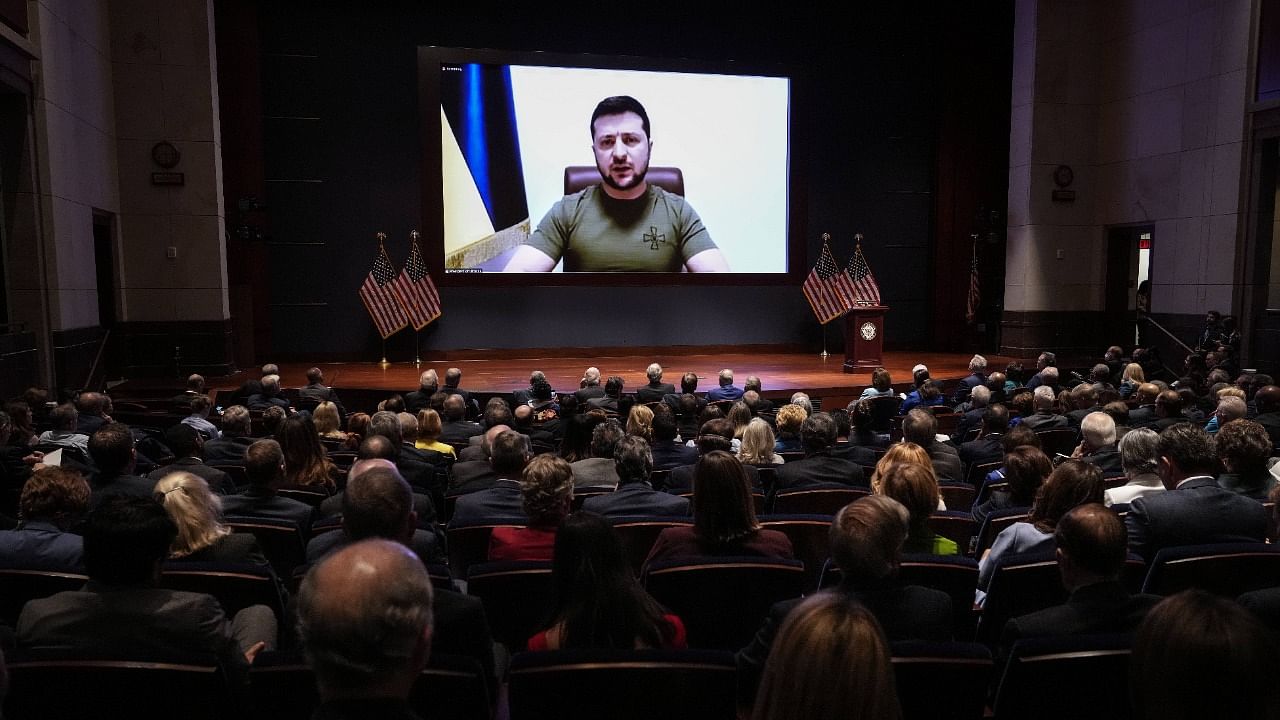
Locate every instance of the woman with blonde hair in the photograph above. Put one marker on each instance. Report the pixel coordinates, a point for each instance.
(198, 514)
(757, 445)
(830, 660)
(327, 421)
(1131, 379)
(640, 422)
(429, 428)
(789, 419)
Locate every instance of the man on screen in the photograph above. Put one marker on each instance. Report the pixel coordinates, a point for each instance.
(624, 224)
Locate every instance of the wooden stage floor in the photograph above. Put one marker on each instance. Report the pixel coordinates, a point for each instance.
(780, 373)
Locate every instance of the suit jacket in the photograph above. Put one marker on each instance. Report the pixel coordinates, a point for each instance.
(419, 468)
(636, 499)
(1107, 458)
(418, 400)
(257, 502)
(724, 392)
(671, 454)
(817, 469)
(462, 628)
(219, 482)
(1142, 416)
(946, 462)
(42, 546)
(1257, 487)
(860, 454)
(589, 392)
(681, 480)
(470, 476)
(971, 419)
(1271, 422)
(604, 402)
(986, 449)
(1104, 607)
(89, 424)
(966, 386)
(654, 392)
(595, 472)
(459, 432)
(425, 544)
(1047, 421)
(503, 501)
(1197, 512)
(226, 450)
(233, 548)
(322, 393)
(423, 505)
(1075, 417)
(262, 402)
(105, 488)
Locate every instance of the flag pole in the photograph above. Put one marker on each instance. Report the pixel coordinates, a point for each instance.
(382, 237)
(826, 238)
(417, 358)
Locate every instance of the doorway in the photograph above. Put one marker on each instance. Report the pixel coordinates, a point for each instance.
(1128, 282)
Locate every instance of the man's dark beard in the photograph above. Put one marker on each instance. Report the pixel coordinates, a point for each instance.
(636, 178)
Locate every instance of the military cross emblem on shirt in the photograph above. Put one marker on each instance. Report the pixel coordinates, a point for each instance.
(653, 237)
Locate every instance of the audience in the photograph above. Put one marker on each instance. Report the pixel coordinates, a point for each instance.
(264, 464)
(305, 462)
(229, 447)
(112, 450)
(789, 419)
(1098, 443)
(199, 418)
(757, 445)
(64, 432)
(197, 513)
(53, 502)
(546, 489)
(378, 503)
(915, 487)
(635, 495)
(881, 385)
(186, 444)
(668, 452)
(1245, 451)
(640, 422)
(1140, 459)
(1025, 470)
(497, 495)
(921, 427)
(818, 436)
(328, 422)
(656, 389)
(727, 390)
(987, 448)
(598, 470)
(1044, 418)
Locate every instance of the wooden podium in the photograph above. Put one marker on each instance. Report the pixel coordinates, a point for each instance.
(864, 338)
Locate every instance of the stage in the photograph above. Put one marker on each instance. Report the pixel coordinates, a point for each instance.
(781, 374)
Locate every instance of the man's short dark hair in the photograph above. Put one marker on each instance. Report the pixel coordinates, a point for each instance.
(1190, 448)
(452, 377)
(540, 390)
(262, 461)
(605, 437)
(377, 447)
(236, 421)
(1094, 538)
(995, 419)
(613, 386)
(715, 434)
(498, 415)
(111, 448)
(376, 503)
(665, 427)
(1246, 444)
(920, 427)
(617, 105)
(182, 439)
(818, 432)
(63, 417)
(123, 539)
(508, 453)
(689, 382)
(314, 375)
(633, 459)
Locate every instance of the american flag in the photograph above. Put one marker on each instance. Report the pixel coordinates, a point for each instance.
(414, 289)
(865, 288)
(378, 298)
(827, 289)
(975, 288)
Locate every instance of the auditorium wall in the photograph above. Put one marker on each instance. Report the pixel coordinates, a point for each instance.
(1146, 103)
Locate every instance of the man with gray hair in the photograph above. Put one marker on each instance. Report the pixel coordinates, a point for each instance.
(802, 399)
(1044, 418)
(726, 390)
(1098, 443)
(972, 411)
(656, 389)
(1229, 408)
(1139, 458)
(524, 395)
(420, 399)
(977, 377)
(635, 496)
(921, 427)
(599, 470)
(1045, 361)
(270, 395)
(413, 464)
(365, 618)
(589, 387)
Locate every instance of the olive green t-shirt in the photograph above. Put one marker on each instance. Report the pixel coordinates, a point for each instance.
(592, 232)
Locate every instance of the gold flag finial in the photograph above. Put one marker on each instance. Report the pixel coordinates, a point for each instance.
(381, 236)
(414, 234)
(826, 237)
(857, 237)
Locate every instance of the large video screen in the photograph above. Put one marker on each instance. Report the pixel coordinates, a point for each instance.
(560, 168)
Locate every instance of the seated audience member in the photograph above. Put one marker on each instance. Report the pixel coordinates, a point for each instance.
(739, 414)
(395, 403)
(1196, 510)
(866, 544)
(195, 386)
(1168, 410)
(589, 386)
(429, 429)
(53, 502)
(612, 395)
(63, 430)
(16, 462)
(598, 470)
(546, 490)
(91, 412)
(1002, 385)
(542, 399)
(198, 514)
(269, 396)
(926, 394)
(491, 488)
(759, 403)
(121, 610)
(1201, 656)
(1098, 443)
(972, 410)
(428, 385)
(524, 395)
(789, 419)
(987, 448)
(415, 466)
(977, 377)
(1044, 418)
(1045, 361)
(112, 450)
(757, 445)
(523, 421)
(726, 390)
(1017, 437)
(1244, 448)
(328, 422)
(635, 495)
(916, 488)
(377, 503)
(575, 444)
(1084, 400)
(456, 430)
(1267, 401)
(830, 660)
(1140, 460)
(199, 418)
(1070, 484)
(1022, 405)
(656, 389)
(881, 385)
(186, 444)
(920, 427)
(264, 464)
(316, 391)
(818, 435)
(1025, 470)
(272, 420)
(667, 452)
(724, 517)
(1131, 379)
(365, 616)
(640, 422)
(229, 448)
(716, 434)
(1119, 412)
(1091, 549)
(802, 399)
(1145, 413)
(1230, 407)
(900, 452)
(305, 462)
(21, 424)
(598, 601)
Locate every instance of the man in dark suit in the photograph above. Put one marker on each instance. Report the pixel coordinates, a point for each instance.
(763, 404)
(656, 389)
(971, 414)
(1044, 418)
(715, 434)
(457, 430)
(688, 386)
(667, 453)
(524, 395)
(502, 500)
(590, 389)
(598, 470)
(416, 401)
(1091, 552)
(186, 443)
(111, 449)
(423, 469)
(866, 544)
(1267, 400)
(1098, 444)
(452, 380)
(611, 397)
(378, 503)
(818, 435)
(1168, 410)
(635, 496)
(1145, 413)
(1195, 510)
(726, 390)
(1085, 398)
(471, 475)
(921, 427)
(987, 448)
(316, 391)
(229, 448)
(1045, 361)
(264, 464)
(977, 377)
(195, 386)
(91, 412)
(122, 610)
(269, 396)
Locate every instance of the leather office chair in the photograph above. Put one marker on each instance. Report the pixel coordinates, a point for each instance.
(579, 177)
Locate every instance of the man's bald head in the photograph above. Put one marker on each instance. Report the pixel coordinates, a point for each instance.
(1147, 392)
(1268, 399)
(1092, 543)
(487, 443)
(364, 615)
(359, 467)
(377, 446)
